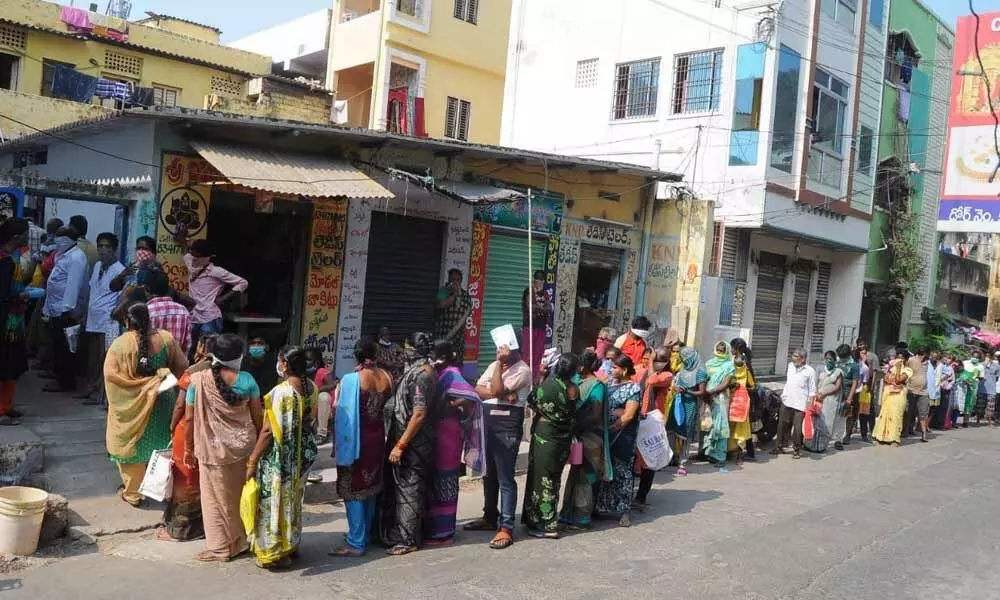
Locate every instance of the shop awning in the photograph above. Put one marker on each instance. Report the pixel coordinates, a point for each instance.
(289, 173)
(478, 192)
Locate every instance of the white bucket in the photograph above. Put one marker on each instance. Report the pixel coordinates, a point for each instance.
(21, 512)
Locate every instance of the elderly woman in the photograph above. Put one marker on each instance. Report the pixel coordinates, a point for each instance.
(138, 411)
(614, 498)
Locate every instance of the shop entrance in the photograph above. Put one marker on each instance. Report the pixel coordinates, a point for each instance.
(101, 217)
(268, 250)
(403, 274)
(597, 292)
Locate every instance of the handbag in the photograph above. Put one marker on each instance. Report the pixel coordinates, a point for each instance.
(739, 405)
(158, 483)
(576, 452)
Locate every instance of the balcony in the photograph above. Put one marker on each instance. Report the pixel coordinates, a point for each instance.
(963, 276)
(356, 41)
(825, 168)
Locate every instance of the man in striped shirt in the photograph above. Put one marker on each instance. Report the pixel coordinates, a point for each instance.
(166, 314)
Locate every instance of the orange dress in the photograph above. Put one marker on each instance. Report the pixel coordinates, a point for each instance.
(183, 513)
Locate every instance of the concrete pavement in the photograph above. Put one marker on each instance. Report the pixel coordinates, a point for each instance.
(911, 522)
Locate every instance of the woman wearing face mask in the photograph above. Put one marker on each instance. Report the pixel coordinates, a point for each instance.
(614, 498)
(182, 517)
(15, 272)
(741, 432)
(138, 412)
(689, 388)
(224, 415)
(830, 422)
(721, 374)
(260, 364)
(286, 449)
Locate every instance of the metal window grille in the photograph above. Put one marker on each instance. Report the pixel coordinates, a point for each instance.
(733, 297)
(636, 86)
(717, 240)
(467, 10)
(123, 63)
(586, 73)
(819, 314)
(865, 147)
(457, 114)
(164, 97)
(697, 81)
(228, 87)
(13, 37)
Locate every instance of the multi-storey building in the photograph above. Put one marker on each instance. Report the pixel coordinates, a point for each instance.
(47, 49)
(763, 105)
(420, 67)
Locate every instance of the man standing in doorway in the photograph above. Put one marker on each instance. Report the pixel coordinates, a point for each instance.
(852, 381)
(504, 388)
(633, 342)
(100, 328)
(917, 399)
(166, 314)
(211, 287)
(79, 223)
(453, 308)
(536, 301)
(800, 389)
(62, 306)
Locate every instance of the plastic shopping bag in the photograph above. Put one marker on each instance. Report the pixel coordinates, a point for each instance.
(865, 401)
(705, 420)
(158, 484)
(72, 337)
(576, 452)
(739, 405)
(248, 505)
(652, 441)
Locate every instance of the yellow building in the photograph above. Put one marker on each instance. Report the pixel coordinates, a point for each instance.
(182, 62)
(420, 67)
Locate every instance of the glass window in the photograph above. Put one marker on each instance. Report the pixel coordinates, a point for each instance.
(697, 81)
(636, 87)
(865, 147)
(747, 96)
(786, 102)
(829, 112)
(841, 11)
(876, 12)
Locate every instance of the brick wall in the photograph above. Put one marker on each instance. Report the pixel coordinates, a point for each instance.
(41, 112)
(278, 101)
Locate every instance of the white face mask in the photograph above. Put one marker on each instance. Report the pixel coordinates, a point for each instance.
(63, 244)
(279, 370)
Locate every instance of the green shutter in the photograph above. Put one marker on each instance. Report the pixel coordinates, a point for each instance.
(506, 277)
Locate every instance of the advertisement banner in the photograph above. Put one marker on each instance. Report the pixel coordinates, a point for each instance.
(326, 271)
(969, 201)
(477, 289)
(184, 200)
(11, 203)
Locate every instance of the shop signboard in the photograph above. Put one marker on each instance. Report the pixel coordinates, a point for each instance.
(477, 289)
(551, 272)
(184, 200)
(969, 200)
(11, 202)
(546, 212)
(327, 242)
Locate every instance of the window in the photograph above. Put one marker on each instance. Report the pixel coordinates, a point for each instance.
(697, 81)
(636, 86)
(123, 63)
(467, 10)
(226, 86)
(9, 69)
(408, 7)
(13, 37)
(876, 13)
(786, 103)
(586, 73)
(456, 121)
(164, 96)
(901, 58)
(865, 146)
(841, 11)
(48, 72)
(745, 135)
(829, 112)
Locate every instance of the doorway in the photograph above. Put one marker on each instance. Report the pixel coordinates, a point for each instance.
(597, 286)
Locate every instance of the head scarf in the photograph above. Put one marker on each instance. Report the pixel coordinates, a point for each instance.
(688, 377)
(423, 344)
(720, 366)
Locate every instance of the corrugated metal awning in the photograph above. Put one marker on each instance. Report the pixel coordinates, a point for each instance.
(478, 192)
(288, 173)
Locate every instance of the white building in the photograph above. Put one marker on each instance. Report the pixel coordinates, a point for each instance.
(759, 104)
(298, 47)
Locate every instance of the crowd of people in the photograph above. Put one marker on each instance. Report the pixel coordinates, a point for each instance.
(405, 424)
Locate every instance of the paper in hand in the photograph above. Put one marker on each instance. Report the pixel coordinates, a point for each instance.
(504, 336)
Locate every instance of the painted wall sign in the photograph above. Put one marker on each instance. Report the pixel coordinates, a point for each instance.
(600, 234)
(546, 212)
(566, 277)
(661, 279)
(458, 247)
(184, 200)
(326, 268)
(626, 297)
(477, 289)
(551, 274)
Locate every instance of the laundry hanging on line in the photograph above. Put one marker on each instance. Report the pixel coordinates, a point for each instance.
(71, 84)
(142, 96)
(116, 90)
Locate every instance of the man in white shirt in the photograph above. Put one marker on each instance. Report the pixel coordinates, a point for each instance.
(62, 305)
(504, 388)
(101, 328)
(800, 389)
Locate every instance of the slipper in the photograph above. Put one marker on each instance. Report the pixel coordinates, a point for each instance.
(282, 563)
(345, 551)
(479, 525)
(502, 540)
(544, 535)
(209, 556)
(400, 550)
(132, 503)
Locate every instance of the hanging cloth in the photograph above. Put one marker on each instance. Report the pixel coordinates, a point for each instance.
(142, 97)
(904, 106)
(397, 119)
(117, 90)
(71, 84)
(75, 17)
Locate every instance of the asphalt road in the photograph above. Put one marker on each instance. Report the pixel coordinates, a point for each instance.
(911, 522)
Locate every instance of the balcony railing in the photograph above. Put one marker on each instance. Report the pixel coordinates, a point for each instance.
(825, 168)
(733, 296)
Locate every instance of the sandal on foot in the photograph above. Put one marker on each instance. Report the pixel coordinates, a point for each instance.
(625, 521)
(345, 551)
(162, 535)
(132, 503)
(502, 540)
(209, 556)
(544, 535)
(682, 471)
(400, 550)
(480, 525)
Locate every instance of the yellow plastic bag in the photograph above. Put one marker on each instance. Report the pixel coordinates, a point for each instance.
(248, 505)
(864, 401)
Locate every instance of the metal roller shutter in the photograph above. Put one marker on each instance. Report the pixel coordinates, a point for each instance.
(506, 277)
(819, 315)
(735, 251)
(403, 274)
(767, 311)
(800, 305)
(601, 257)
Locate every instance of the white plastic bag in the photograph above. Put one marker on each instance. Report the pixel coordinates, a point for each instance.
(653, 443)
(72, 337)
(158, 484)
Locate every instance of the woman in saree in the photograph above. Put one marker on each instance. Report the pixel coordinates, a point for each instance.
(459, 424)
(224, 415)
(657, 395)
(721, 374)
(689, 388)
(553, 405)
(138, 412)
(889, 424)
(614, 498)
(359, 441)
(826, 421)
(16, 269)
(182, 520)
(741, 432)
(283, 455)
(410, 441)
(590, 428)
